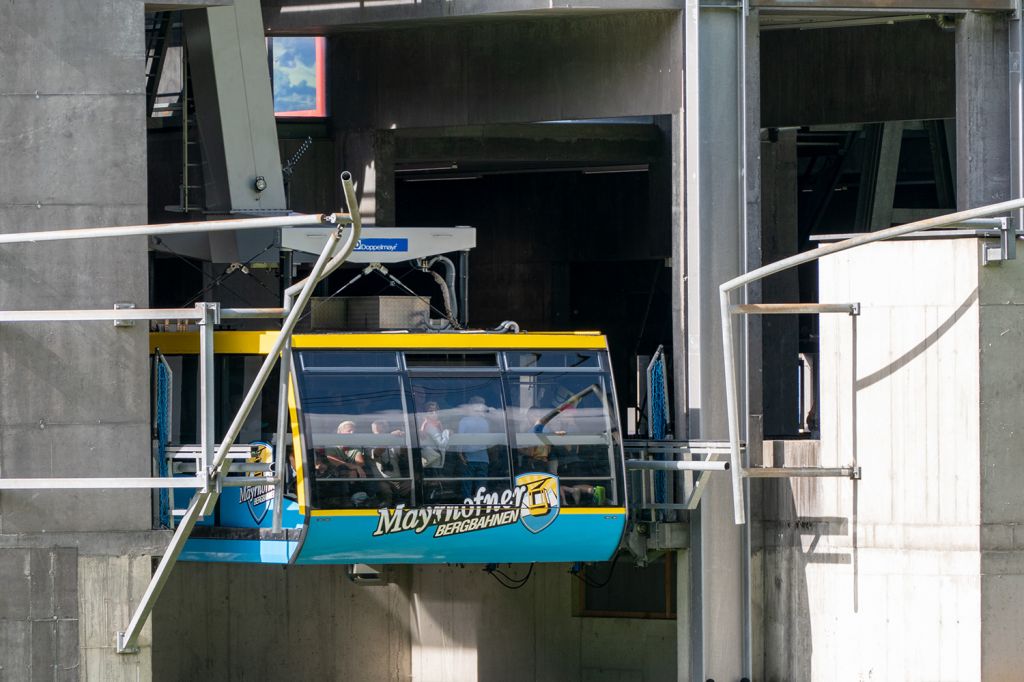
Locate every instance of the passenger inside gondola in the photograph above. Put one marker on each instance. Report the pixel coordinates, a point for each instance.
(390, 464)
(347, 462)
(433, 438)
(563, 430)
(474, 457)
(435, 431)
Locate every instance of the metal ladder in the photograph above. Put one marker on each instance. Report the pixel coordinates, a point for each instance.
(158, 34)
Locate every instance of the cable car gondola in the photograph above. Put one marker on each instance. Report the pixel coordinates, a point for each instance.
(458, 447)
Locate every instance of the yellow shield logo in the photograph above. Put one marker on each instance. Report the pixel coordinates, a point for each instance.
(541, 502)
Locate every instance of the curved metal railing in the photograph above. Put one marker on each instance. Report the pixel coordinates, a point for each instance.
(731, 389)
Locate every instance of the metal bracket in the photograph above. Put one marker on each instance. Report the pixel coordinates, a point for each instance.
(124, 306)
(1006, 249)
(365, 574)
(210, 313)
(121, 648)
(991, 254)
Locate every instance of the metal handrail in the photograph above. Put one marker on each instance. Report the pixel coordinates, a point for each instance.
(731, 388)
(695, 461)
(234, 224)
(213, 475)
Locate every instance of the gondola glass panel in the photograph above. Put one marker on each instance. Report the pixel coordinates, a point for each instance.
(357, 438)
(562, 425)
(463, 446)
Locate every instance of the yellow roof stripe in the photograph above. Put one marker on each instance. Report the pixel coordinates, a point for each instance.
(260, 343)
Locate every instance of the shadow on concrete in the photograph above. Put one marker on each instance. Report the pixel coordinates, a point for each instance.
(790, 545)
(921, 347)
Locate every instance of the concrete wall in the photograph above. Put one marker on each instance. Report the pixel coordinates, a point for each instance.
(883, 578)
(432, 624)
(74, 398)
(1002, 471)
(59, 611)
(900, 72)
(73, 140)
(519, 70)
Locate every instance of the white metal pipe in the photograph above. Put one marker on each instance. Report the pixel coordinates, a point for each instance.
(281, 447)
(105, 314)
(732, 411)
(194, 482)
(290, 304)
(869, 237)
(127, 639)
(100, 315)
(207, 389)
(357, 227)
(98, 483)
(174, 228)
(275, 350)
(652, 465)
(793, 308)
(251, 313)
(800, 472)
(732, 405)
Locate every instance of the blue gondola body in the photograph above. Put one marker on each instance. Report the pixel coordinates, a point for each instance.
(549, 486)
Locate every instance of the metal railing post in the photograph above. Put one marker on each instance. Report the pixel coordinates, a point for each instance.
(281, 445)
(207, 425)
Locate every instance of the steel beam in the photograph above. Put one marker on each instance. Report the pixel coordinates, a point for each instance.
(231, 86)
(721, 240)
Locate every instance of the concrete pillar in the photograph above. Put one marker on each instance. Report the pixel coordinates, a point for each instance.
(982, 103)
(73, 396)
(984, 156)
(1001, 469)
